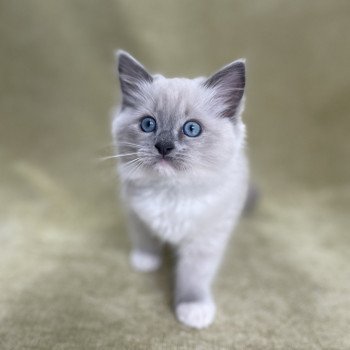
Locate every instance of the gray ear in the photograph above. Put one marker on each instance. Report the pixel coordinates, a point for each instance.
(131, 75)
(229, 83)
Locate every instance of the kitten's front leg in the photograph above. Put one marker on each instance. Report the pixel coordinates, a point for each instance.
(146, 249)
(197, 264)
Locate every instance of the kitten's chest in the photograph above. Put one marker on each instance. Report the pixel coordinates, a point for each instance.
(171, 212)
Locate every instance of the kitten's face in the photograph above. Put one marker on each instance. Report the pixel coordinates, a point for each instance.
(170, 127)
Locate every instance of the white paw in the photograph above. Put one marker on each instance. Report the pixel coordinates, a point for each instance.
(198, 314)
(144, 262)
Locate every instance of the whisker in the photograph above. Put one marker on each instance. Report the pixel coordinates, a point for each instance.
(134, 167)
(130, 162)
(118, 156)
(127, 144)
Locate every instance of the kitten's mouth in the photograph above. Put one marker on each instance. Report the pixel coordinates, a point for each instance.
(165, 166)
(165, 162)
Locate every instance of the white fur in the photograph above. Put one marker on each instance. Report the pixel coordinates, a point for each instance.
(144, 262)
(196, 314)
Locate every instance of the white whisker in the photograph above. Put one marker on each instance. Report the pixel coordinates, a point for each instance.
(118, 156)
(130, 162)
(136, 164)
(127, 144)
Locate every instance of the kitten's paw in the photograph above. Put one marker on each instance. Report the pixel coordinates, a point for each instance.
(145, 262)
(198, 314)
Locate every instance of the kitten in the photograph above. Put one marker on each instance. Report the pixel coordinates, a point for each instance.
(183, 172)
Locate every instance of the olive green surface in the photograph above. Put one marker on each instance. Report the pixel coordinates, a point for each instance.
(65, 281)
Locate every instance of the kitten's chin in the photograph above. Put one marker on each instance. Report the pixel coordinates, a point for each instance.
(164, 168)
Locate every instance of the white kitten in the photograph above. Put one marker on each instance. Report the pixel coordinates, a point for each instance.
(183, 172)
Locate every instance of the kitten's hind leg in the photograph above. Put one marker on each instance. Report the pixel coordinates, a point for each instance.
(146, 249)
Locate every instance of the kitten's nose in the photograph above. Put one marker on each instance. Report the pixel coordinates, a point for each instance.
(164, 147)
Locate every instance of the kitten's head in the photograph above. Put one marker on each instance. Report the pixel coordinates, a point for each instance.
(172, 127)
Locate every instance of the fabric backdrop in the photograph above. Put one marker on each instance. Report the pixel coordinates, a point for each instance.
(65, 281)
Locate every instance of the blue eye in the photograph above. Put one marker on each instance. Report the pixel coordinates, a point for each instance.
(192, 129)
(148, 124)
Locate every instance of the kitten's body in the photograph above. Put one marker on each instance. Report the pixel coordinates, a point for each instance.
(180, 210)
(193, 197)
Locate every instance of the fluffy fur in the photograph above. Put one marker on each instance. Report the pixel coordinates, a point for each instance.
(193, 197)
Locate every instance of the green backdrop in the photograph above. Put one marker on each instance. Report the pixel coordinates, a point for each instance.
(65, 282)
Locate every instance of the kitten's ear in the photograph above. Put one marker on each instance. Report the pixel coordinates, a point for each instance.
(131, 75)
(228, 84)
